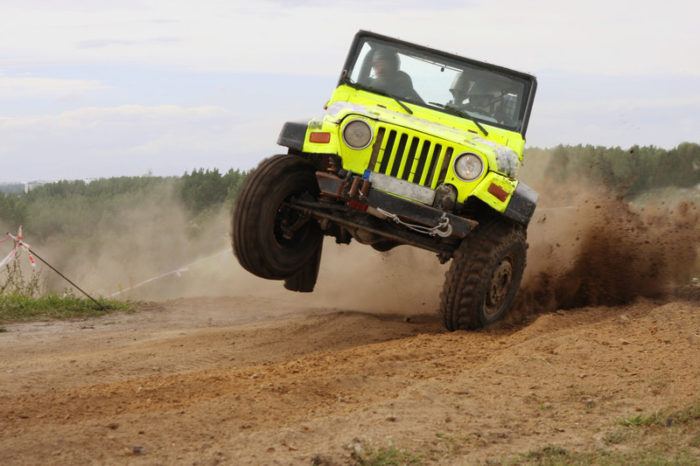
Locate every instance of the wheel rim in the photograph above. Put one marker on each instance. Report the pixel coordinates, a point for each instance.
(498, 288)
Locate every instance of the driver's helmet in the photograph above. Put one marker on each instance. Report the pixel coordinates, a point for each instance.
(460, 87)
(387, 58)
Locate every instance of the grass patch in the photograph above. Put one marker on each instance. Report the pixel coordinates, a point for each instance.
(558, 456)
(642, 420)
(551, 454)
(616, 437)
(385, 456)
(18, 308)
(666, 437)
(664, 418)
(695, 441)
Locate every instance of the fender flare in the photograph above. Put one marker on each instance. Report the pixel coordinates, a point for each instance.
(522, 204)
(293, 134)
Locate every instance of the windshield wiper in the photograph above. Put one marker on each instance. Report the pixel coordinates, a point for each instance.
(403, 105)
(463, 114)
(363, 87)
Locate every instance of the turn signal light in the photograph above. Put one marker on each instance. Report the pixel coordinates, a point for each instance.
(321, 138)
(498, 192)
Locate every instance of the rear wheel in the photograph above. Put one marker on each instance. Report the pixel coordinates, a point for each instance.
(269, 238)
(481, 284)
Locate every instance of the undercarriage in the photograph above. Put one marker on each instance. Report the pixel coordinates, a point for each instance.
(350, 207)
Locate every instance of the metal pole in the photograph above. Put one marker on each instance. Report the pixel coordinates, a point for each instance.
(102, 308)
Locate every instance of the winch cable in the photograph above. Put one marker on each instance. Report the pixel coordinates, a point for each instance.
(442, 229)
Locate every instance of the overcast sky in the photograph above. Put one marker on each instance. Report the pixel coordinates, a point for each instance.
(94, 88)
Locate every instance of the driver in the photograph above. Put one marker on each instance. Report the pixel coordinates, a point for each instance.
(389, 78)
(480, 95)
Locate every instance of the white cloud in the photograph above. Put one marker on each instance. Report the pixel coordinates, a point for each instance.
(600, 36)
(129, 139)
(133, 115)
(16, 87)
(103, 43)
(171, 52)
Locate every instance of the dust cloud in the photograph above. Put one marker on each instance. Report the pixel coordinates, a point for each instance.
(587, 249)
(600, 250)
(137, 240)
(154, 250)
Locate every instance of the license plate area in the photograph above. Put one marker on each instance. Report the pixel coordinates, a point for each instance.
(401, 188)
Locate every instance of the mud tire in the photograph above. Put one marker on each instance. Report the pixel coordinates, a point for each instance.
(256, 238)
(304, 280)
(467, 301)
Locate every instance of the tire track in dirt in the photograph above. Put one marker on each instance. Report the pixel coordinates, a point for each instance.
(310, 385)
(166, 392)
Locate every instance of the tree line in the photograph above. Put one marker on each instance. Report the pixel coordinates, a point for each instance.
(628, 172)
(73, 207)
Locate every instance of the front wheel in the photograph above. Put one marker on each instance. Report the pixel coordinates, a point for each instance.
(269, 238)
(481, 284)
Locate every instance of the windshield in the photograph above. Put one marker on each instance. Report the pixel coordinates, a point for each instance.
(445, 84)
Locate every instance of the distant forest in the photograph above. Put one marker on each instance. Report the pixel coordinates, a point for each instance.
(627, 172)
(76, 207)
(71, 207)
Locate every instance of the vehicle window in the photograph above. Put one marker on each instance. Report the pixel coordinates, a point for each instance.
(453, 86)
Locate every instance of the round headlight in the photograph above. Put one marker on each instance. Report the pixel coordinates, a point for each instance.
(357, 134)
(469, 167)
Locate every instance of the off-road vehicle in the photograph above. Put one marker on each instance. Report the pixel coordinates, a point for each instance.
(416, 147)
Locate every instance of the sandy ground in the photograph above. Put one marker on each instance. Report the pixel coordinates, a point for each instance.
(258, 381)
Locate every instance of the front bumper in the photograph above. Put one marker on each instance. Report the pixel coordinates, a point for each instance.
(357, 192)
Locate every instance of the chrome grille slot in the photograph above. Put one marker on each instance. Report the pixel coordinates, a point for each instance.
(412, 158)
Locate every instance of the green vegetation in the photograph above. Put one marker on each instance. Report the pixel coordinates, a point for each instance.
(558, 456)
(205, 189)
(385, 456)
(21, 299)
(695, 441)
(73, 208)
(642, 420)
(666, 437)
(664, 418)
(19, 308)
(627, 172)
(616, 437)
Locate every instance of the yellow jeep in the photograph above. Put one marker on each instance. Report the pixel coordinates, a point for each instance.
(416, 147)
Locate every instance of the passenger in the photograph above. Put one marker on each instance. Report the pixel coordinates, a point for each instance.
(488, 99)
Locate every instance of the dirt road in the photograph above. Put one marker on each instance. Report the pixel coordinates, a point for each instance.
(256, 381)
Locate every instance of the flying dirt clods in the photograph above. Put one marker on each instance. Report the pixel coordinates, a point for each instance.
(604, 252)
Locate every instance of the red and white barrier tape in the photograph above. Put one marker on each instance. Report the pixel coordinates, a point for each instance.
(18, 247)
(177, 272)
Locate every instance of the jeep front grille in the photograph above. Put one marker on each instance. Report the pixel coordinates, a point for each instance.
(416, 159)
